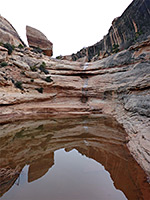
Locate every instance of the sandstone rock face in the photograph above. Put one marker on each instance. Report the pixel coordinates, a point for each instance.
(39, 40)
(8, 34)
(34, 86)
(3, 54)
(132, 26)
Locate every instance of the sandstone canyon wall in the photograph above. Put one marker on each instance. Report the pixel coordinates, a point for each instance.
(35, 86)
(132, 26)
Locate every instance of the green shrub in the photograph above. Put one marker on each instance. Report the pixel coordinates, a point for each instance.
(32, 80)
(22, 72)
(37, 50)
(12, 80)
(18, 84)
(40, 90)
(4, 64)
(43, 68)
(48, 79)
(5, 78)
(59, 57)
(20, 46)
(33, 68)
(9, 47)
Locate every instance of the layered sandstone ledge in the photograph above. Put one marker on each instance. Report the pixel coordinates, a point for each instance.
(34, 86)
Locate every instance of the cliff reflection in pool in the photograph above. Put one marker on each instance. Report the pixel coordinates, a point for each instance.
(74, 159)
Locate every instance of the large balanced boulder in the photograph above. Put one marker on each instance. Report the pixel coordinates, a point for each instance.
(8, 34)
(37, 39)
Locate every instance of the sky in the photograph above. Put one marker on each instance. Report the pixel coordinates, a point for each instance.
(69, 24)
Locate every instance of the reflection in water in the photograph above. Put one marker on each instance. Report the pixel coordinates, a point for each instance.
(76, 173)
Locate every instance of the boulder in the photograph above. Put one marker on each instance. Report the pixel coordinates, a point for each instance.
(8, 34)
(37, 39)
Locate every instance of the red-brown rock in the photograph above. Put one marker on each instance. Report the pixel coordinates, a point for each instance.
(37, 39)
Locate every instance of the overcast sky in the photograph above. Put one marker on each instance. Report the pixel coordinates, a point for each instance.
(69, 24)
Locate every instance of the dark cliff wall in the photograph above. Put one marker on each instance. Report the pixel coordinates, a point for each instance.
(132, 26)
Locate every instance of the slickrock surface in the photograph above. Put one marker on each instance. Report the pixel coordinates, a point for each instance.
(132, 26)
(34, 86)
(37, 39)
(8, 34)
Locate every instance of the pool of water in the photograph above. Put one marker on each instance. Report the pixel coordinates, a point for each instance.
(68, 159)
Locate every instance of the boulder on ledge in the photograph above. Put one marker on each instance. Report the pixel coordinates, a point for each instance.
(37, 39)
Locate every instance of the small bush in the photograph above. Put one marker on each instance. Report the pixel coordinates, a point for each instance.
(59, 57)
(12, 80)
(9, 47)
(48, 79)
(18, 84)
(33, 68)
(22, 72)
(40, 90)
(4, 64)
(42, 68)
(20, 46)
(37, 50)
(32, 80)
(5, 78)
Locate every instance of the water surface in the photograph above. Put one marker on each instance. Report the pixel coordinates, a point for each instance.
(69, 159)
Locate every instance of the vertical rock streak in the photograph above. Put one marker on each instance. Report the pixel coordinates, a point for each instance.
(132, 26)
